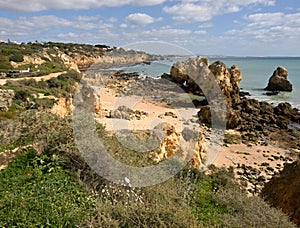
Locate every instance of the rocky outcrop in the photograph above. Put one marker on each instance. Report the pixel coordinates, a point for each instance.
(179, 74)
(6, 98)
(28, 60)
(227, 78)
(98, 108)
(180, 143)
(283, 191)
(62, 107)
(170, 141)
(278, 81)
(123, 112)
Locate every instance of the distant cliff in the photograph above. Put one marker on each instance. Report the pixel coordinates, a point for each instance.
(44, 58)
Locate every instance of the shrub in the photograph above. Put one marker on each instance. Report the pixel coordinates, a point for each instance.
(16, 57)
(160, 206)
(22, 94)
(220, 202)
(4, 64)
(45, 103)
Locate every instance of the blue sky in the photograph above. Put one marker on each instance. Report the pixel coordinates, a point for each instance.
(205, 27)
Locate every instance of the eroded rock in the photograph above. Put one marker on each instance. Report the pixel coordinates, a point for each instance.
(181, 143)
(278, 81)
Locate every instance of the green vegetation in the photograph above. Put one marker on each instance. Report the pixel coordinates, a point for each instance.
(220, 202)
(4, 63)
(49, 53)
(36, 191)
(62, 86)
(27, 93)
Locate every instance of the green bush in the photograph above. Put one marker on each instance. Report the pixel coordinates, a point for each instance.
(45, 103)
(22, 94)
(4, 64)
(16, 57)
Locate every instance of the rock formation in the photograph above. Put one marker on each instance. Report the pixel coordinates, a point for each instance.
(179, 74)
(227, 78)
(62, 107)
(123, 112)
(179, 143)
(278, 81)
(170, 141)
(283, 191)
(6, 97)
(246, 115)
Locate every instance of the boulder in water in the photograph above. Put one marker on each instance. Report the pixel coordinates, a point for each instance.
(278, 81)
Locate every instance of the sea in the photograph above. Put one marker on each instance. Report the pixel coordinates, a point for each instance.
(256, 72)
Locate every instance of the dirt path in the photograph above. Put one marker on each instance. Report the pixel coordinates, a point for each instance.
(45, 77)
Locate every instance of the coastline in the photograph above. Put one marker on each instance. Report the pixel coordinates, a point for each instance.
(264, 159)
(256, 72)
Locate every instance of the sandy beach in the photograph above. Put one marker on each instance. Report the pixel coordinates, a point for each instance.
(264, 160)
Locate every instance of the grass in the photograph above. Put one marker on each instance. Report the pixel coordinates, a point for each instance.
(220, 202)
(36, 191)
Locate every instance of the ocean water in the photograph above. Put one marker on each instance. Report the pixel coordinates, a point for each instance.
(256, 72)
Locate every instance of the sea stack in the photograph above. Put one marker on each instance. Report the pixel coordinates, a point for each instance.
(278, 81)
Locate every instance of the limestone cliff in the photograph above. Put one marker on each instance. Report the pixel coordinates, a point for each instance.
(45, 58)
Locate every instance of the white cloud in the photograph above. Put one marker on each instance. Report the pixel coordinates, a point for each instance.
(166, 33)
(32, 26)
(206, 25)
(41, 5)
(123, 26)
(261, 20)
(140, 19)
(88, 18)
(204, 10)
(270, 27)
(200, 32)
(112, 19)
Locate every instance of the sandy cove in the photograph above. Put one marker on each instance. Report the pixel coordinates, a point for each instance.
(156, 112)
(257, 160)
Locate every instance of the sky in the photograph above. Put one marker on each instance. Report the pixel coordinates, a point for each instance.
(202, 27)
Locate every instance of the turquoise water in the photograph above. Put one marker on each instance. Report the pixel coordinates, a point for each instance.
(255, 72)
